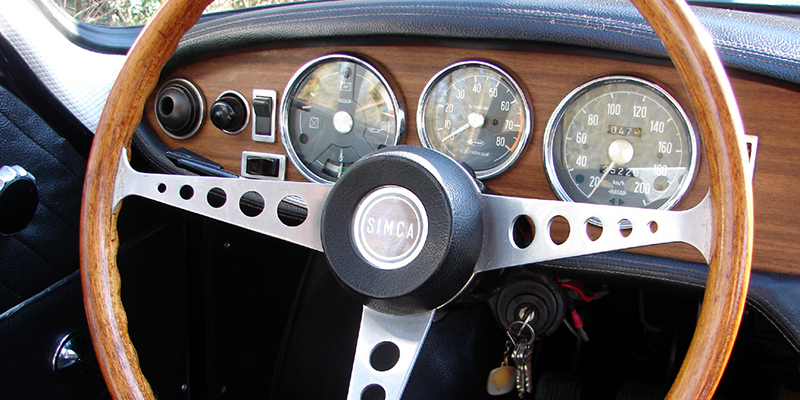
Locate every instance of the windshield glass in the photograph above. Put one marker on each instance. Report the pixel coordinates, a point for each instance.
(119, 13)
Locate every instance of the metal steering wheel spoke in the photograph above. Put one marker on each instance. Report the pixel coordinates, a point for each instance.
(647, 227)
(221, 198)
(387, 349)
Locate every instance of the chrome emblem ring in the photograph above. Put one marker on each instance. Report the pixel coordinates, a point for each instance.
(390, 227)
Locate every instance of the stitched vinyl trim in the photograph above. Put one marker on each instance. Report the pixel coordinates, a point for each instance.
(13, 310)
(52, 211)
(784, 325)
(12, 291)
(38, 254)
(640, 30)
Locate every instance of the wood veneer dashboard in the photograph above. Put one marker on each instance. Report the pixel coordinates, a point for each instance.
(769, 110)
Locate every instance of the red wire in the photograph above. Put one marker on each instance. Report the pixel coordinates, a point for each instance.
(579, 291)
(576, 320)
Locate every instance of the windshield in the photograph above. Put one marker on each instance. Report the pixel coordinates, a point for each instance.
(119, 13)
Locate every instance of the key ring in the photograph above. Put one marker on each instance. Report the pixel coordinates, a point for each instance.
(514, 336)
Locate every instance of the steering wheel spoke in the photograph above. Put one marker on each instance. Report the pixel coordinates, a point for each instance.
(622, 228)
(386, 352)
(248, 203)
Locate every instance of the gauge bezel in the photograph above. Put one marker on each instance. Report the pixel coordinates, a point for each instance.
(310, 67)
(557, 117)
(528, 119)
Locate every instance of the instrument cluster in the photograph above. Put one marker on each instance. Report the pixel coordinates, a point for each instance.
(617, 139)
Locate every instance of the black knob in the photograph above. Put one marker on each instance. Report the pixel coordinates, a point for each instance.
(229, 114)
(18, 199)
(175, 109)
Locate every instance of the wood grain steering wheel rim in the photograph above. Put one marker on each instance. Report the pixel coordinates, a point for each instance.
(688, 45)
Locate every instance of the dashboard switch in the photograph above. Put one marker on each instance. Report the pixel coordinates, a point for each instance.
(263, 165)
(264, 111)
(230, 112)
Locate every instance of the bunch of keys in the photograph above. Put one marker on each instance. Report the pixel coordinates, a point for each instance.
(505, 378)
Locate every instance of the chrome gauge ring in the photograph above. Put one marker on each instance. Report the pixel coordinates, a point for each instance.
(335, 110)
(476, 113)
(623, 141)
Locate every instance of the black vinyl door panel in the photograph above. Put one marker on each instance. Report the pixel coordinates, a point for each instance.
(46, 250)
(40, 291)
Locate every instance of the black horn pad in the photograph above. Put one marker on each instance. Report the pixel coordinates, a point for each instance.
(402, 229)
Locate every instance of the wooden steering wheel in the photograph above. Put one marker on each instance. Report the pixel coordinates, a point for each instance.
(404, 320)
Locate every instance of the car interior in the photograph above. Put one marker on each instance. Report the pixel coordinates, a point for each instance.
(386, 199)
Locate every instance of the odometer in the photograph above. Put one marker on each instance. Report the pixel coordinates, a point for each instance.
(477, 114)
(620, 140)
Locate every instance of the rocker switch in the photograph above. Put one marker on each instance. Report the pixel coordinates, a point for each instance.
(263, 165)
(264, 112)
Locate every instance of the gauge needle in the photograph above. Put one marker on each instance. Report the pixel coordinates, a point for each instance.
(474, 120)
(620, 151)
(602, 178)
(456, 132)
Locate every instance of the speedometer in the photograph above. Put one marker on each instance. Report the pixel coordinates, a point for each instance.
(623, 141)
(477, 114)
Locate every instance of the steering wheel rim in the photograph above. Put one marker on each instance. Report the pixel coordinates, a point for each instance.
(691, 50)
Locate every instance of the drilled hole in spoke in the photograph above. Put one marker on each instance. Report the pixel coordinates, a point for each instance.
(186, 192)
(162, 188)
(292, 210)
(373, 392)
(653, 226)
(384, 356)
(593, 232)
(625, 228)
(251, 204)
(216, 197)
(559, 229)
(523, 231)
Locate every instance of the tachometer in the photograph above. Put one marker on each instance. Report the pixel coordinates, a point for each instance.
(477, 114)
(620, 140)
(335, 110)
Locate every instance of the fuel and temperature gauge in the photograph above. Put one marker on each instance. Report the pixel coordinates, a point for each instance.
(623, 141)
(477, 114)
(337, 109)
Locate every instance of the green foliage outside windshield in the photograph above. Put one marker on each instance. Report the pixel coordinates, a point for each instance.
(119, 13)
